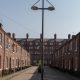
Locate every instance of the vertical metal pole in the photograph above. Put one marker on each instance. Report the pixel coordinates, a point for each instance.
(42, 57)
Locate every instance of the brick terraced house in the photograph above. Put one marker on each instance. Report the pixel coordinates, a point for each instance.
(13, 56)
(67, 57)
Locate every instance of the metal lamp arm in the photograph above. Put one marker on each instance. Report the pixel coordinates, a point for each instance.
(49, 3)
(36, 3)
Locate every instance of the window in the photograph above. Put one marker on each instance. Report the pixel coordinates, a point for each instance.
(31, 47)
(76, 45)
(60, 43)
(16, 48)
(30, 43)
(0, 39)
(71, 46)
(69, 63)
(17, 62)
(46, 47)
(45, 43)
(68, 52)
(65, 65)
(36, 43)
(7, 43)
(50, 48)
(63, 50)
(50, 52)
(58, 53)
(13, 45)
(76, 64)
(0, 62)
(65, 53)
(6, 62)
(37, 47)
(13, 63)
(25, 62)
(51, 43)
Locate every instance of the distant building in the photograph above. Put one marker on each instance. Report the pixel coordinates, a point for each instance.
(33, 45)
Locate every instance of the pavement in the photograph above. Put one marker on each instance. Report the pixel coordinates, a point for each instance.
(27, 74)
(8, 77)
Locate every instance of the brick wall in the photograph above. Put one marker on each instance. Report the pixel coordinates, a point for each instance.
(12, 56)
(68, 55)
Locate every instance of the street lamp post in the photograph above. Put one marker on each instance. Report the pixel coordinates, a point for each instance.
(42, 36)
(42, 57)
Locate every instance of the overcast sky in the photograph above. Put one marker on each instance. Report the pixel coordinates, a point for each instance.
(17, 16)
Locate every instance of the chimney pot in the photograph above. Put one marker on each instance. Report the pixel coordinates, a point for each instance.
(55, 36)
(69, 36)
(9, 34)
(0, 25)
(27, 35)
(13, 35)
(40, 35)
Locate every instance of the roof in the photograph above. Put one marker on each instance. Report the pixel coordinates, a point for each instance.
(38, 39)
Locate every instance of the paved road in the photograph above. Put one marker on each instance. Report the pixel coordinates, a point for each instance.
(51, 74)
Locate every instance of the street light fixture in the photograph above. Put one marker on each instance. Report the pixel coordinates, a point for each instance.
(36, 8)
(51, 8)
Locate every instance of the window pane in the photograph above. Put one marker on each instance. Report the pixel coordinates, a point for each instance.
(0, 62)
(0, 38)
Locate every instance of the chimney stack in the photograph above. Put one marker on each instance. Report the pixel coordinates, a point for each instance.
(9, 34)
(40, 36)
(55, 36)
(27, 35)
(69, 36)
(0, 25)
(13, 35)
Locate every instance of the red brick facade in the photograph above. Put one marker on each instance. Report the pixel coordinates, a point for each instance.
(67, 57)
(12, 55)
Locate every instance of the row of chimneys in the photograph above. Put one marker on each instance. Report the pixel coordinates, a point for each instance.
(55, 36)
(13, 35)
(27, 35)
